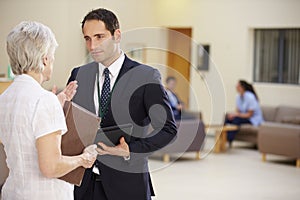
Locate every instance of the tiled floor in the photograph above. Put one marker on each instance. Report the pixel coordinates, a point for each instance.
(237, 174)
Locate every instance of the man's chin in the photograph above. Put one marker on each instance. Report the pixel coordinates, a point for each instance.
(97, 59)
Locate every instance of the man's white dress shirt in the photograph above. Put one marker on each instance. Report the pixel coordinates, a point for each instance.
(114, 70)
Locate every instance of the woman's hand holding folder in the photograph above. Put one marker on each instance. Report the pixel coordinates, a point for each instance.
(89, 156)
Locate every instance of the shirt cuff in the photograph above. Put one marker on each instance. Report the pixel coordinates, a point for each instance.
(127, 158)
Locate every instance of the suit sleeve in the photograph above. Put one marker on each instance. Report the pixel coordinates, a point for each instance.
(161, 118)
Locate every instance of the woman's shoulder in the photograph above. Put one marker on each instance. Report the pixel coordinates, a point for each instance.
(249, 95)
(48, 98)
(46, 93)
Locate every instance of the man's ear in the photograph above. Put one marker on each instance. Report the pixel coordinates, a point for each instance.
(117, 35)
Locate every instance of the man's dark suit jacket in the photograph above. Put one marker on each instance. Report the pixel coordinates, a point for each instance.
(138, 98)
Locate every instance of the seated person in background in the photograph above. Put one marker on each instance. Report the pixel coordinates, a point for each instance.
(175, 103)
(248, 110)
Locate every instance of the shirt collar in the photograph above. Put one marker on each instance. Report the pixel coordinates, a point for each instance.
(26, 78)
(115, 67)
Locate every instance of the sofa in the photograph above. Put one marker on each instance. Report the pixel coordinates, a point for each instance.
(190, 137)
(280, 134)
(249, 133)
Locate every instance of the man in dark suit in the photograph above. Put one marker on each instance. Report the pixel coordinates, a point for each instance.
(128, 92)
(175, 103)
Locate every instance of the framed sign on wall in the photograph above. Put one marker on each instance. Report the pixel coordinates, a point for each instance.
(203, 57)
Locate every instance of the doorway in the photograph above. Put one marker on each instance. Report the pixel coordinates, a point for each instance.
(178, 61)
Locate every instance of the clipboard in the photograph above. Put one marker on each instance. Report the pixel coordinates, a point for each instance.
(82, 128)
(110, 136)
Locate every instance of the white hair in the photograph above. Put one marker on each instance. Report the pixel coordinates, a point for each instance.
(27, 45)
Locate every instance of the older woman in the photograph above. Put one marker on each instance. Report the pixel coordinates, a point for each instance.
(32, 121)
(248, 110)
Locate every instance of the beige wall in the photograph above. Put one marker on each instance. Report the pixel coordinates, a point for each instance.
(227, 25)
(64, 17)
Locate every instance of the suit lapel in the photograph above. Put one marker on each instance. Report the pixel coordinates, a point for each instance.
(86, 78)
(127, 65)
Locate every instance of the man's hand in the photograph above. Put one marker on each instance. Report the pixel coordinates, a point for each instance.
(67, 94)
(121, 149)
(179, 107)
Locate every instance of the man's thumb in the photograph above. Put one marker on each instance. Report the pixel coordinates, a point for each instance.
(122, 140)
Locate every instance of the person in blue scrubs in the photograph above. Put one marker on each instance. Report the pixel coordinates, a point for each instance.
(248, 110)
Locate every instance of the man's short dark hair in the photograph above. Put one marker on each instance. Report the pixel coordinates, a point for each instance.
(109, 19)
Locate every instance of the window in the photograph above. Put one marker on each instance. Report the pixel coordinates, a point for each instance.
(277, 56)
